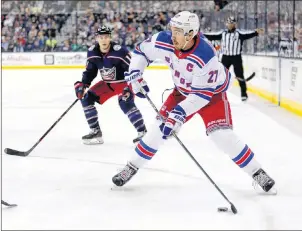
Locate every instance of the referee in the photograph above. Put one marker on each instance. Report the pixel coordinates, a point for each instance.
(231, 47)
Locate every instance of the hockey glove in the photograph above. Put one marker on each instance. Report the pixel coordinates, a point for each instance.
(80, 89)
(136, 83)
(176, 118)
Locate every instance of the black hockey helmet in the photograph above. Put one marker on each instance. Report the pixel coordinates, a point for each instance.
(231, 20)
(103, 30)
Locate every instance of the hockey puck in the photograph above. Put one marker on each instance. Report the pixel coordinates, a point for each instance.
(222, 209)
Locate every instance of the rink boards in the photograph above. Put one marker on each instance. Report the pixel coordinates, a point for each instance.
(277, 80)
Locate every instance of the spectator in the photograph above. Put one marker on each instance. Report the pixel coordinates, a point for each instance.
(33, 32)
(51, 44)
(5, 43)
(30, 44)
(66, 46)
(41, 39)
(19, 47)
(36, 46)
(74, 45)
(11, 46)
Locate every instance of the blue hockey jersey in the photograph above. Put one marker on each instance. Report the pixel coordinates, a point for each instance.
(111, 65)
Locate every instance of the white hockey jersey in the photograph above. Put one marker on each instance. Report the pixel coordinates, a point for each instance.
(196, 73)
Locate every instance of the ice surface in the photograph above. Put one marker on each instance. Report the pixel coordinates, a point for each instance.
(64, 184)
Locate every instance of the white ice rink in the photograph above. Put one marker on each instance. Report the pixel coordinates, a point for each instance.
(64, 184)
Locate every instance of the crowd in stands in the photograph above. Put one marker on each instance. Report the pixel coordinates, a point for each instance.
(33, 26)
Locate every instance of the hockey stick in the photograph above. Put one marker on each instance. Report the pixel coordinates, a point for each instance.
(8, 204)
(162, 95)
(233, 208)
(19, 153)
(248, 78)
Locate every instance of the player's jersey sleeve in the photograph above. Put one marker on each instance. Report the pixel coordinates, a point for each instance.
(204, 85)
(91, 70)
(144, 54)
(125, 56)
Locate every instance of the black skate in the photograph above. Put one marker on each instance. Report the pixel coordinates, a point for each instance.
(244, 98)
(139, 136)
(263, 180)
(125, 175)
(94, 137)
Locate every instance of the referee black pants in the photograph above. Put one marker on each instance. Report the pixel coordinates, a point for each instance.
(236, 61)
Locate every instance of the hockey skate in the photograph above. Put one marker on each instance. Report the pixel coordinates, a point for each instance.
(264, 181)
(139, 136)
(244, 98)
(125, 175)
(94, 137)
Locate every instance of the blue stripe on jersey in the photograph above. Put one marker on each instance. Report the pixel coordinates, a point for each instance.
(202, 89)
(204, 51)
(203, 92)
(182, 92)
(226, 83)
(164, 48)
(194, 61)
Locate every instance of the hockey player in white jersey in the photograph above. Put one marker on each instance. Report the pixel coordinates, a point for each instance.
(201, 82)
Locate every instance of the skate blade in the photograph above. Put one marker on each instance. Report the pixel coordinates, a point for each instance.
(116, 188)
(123, 189)
(94, 141)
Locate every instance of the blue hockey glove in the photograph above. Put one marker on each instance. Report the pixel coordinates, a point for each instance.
(176, 118)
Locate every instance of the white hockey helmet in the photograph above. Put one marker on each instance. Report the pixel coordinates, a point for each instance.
(187, 21)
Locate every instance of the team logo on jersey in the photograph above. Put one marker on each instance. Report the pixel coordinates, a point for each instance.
(108, 73)
(116, 47)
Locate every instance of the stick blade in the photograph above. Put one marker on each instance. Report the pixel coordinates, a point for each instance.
(233, 208)
(14, 152)
(8, 204)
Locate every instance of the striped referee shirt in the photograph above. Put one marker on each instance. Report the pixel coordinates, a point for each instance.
(231, 40)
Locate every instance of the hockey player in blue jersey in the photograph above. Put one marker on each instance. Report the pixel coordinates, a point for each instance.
(201, 82)
(111, 60)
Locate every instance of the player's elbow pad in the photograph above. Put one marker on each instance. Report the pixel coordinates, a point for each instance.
(193, 103)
